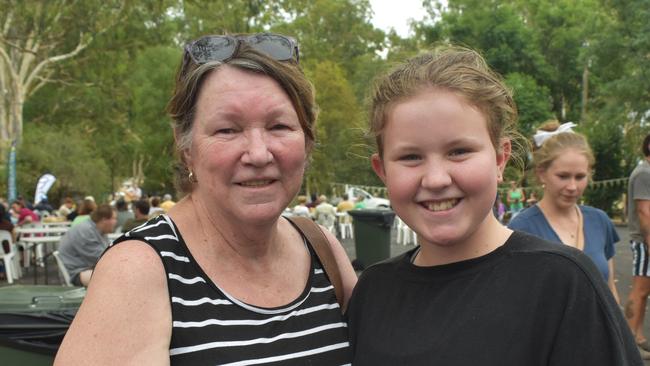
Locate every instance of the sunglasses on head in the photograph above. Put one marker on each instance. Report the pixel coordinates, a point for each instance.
(222, 48)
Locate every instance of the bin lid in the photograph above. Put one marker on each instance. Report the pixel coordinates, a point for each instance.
(34, 298)
(35, 319)
(384, 216)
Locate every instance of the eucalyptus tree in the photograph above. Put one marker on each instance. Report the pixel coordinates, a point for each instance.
(35, 38)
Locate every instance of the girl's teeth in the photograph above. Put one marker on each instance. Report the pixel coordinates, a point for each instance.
(441, 206)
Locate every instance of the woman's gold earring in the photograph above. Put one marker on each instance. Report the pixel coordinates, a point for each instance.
(191, 177)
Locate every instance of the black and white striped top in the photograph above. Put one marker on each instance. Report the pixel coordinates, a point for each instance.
(210, 327)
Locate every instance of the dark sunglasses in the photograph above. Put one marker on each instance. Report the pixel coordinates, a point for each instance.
(221, 48)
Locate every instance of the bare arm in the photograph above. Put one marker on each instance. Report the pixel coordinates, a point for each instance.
(125, 318)
(643, 210)
(348, 276)
(611, 282)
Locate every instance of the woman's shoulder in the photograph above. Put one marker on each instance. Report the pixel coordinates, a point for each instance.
(126, 306)
(525, 216)
(157, 227)
(543, 256)
(594, 212)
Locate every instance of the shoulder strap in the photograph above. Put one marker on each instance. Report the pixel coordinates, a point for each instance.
(321, 246)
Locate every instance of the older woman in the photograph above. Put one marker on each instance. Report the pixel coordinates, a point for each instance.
(223, 279)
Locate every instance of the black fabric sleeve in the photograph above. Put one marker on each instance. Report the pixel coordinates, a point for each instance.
(592, 330)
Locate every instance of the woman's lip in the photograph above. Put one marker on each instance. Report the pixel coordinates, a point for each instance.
(255, 183)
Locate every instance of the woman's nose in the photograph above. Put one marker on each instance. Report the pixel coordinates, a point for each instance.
(257, 150)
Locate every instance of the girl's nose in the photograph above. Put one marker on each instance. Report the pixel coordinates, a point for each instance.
(436, 177)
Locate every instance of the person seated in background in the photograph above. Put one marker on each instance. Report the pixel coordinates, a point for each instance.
(167, 202)
(141, 212)
(66, 208)
(325, 213)
(345, 204)
(301, 208)
(155, 208)
(44, 206)
(84, 209)
(123, 213)
(360, 204)
(22, 214)
(83, 244)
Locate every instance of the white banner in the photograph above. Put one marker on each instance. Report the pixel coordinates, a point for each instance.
(44, 184)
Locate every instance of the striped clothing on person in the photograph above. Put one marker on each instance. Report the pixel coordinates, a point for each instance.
(640, 259)
(211, 327)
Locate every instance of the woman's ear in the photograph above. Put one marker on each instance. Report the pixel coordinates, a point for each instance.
(378, 167)
(503, 155)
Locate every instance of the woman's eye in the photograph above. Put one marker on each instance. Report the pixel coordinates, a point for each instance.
(225, 131)
(280, 126)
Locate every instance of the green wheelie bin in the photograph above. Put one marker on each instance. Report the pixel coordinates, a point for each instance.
(33, 321)
(372, 235)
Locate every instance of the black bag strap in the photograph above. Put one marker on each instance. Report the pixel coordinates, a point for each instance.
(323, 250)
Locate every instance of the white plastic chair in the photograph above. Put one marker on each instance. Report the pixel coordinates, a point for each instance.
(10, 259)
(405, 235)
(62, 270)
(345, 225)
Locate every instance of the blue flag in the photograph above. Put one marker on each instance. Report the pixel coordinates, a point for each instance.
(11, 170)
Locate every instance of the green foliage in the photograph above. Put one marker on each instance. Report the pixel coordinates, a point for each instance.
(149, 126)
(606, 140)
(339, 132)
(533, 101)
(109, 100)
(50, 149)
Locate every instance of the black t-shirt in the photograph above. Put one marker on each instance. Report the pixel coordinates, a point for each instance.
(529, 302)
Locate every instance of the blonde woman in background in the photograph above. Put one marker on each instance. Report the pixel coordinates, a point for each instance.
(563, 164)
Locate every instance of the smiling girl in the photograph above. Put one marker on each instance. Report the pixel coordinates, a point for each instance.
(473, 292)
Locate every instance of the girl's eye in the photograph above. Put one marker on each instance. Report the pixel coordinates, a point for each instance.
(409, 157)
(457, 152)
(225, 131)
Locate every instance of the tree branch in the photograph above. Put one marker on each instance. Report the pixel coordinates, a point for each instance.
(34, 74)
(7, 25)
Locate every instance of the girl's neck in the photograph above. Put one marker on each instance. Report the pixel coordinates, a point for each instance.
(488, 237)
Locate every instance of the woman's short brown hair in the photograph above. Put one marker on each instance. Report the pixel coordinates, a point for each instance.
(190, 78)
(459, 70)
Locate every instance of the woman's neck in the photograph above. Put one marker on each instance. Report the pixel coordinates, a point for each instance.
(227, 234)
(551, 209)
